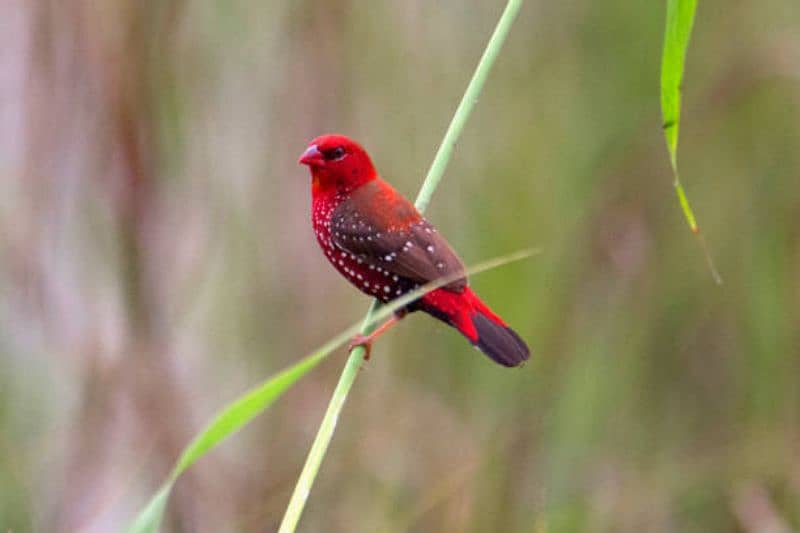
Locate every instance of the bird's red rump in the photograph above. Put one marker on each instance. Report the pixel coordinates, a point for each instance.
(459, 307)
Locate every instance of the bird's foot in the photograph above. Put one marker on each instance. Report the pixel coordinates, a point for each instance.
(366, 340)
(361, 340)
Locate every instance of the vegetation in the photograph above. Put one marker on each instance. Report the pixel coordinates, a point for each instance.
(158, 260)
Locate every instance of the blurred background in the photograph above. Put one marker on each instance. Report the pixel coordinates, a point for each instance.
(157, 259)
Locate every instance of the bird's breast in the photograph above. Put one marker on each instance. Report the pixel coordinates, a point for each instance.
(374, 280)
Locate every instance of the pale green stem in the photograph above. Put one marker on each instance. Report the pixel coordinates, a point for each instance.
(468, 102)
(325, 432)
(440, 161)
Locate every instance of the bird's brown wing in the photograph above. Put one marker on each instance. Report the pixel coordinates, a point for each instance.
(384, 229)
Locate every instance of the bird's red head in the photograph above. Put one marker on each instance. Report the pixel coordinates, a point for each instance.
(337, 164)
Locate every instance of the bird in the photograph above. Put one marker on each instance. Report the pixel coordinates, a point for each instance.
(381, 243)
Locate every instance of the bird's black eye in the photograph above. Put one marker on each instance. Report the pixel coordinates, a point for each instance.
(334, 153)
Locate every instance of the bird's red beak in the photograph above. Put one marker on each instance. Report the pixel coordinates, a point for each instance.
(311, 157)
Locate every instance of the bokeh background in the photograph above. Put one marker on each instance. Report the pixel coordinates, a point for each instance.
(157, 259)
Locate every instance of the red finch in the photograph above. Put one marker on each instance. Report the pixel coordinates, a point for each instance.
(378, 240)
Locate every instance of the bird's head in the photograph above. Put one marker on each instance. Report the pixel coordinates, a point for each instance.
(337, 164)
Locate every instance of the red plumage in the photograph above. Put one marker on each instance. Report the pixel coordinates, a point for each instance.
(379, 241)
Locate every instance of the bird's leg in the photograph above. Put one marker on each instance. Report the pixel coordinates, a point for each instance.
(366, 340)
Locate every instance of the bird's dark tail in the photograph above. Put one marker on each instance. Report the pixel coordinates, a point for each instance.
(499, 342)
(484, 329)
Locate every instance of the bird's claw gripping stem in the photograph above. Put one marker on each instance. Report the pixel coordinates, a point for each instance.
(366, 340)
(361, 340)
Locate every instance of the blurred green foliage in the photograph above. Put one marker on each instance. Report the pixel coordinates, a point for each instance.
(157, 259)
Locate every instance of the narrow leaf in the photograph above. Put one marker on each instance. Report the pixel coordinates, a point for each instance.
(680, 18)
(678, 29)
(149, 518)
(244, 409)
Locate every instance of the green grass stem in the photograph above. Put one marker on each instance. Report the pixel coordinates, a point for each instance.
(321, 442)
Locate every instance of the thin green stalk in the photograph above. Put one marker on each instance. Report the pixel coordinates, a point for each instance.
(440, 161)
(466, 105)
(325, 432)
